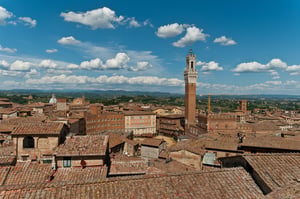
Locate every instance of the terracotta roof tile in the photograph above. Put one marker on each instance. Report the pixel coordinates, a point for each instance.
(28, 173)
(227, 183)
(83, 145)
(272, 142)
(79, 175)
(124, 165)
(54, 128)
(276, 170)
(152, 142)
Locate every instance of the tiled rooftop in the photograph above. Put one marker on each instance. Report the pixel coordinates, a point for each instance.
(152, 142)
(7, 159)
(83, 145)
(123, 165)
(276, 170)
(79, 175)
(272, 142)
(290, 191)
(115, 139)
(28, 173)
(3, 173)
(228, 183)
(52, 128)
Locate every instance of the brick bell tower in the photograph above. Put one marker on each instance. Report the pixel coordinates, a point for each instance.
(190, 78)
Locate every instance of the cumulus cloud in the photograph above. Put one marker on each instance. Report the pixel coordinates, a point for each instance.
(141, 66)
(210, 66)
(47, 63)
(68, 41)
(223, 40)
(31, 73)
(4, 15)
(170, 30)
(8, 50)
(53, 50)
(192, 35)
(98, 18)
(4, 64)
(103, 79)
(20, 66)
(258, 67)
(118, 62)
(28, 21)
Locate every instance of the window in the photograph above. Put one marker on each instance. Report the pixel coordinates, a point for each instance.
(47, 161)
(28, 142)
(192, 65)
(67, 162)
(24, 158)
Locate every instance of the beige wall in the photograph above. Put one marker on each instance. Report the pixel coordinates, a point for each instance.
(187, 158)
(75, 161)
(42, 145)
(149, 152)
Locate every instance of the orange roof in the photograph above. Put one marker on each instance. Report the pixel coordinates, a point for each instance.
(40, 128)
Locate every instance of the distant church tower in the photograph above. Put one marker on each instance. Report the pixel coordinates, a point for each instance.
(190, 78)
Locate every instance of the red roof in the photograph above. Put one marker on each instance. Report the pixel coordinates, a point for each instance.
(52, 128)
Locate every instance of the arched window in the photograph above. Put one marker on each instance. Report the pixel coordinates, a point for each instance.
(192, 65)
(28, 142)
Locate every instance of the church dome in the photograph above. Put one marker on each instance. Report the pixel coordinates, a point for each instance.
(53, 99)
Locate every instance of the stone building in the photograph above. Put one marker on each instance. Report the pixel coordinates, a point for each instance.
(141, 123)
(151, 148)
(170, 125)
(61, 104)
(37, 141)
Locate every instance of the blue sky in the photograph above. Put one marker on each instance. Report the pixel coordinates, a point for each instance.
(242, 47)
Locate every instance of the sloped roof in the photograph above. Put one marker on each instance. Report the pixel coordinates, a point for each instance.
(41, 128)
(225, 183)
(83, 146)
(276, 170)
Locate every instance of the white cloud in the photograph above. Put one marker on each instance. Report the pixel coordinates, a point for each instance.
(223, 40)
(20, 66)
(90, 65)
(258, 67)
(294, 73)
(47, 63)
(293, 68)
(103, 79)
(31, 73)
(274, 82)
(120, 61)
(147, 22)
(28, 21)
(4, 64)
(8, 50)
(98, 18)
(4, 15)
(53, 50)
(210, 66)
(170, 30)
(192, 35)
(141, 66)
(134, 23)
(68, 41)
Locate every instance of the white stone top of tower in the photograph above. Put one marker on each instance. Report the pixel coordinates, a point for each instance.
(53, 99)
(190, 72)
